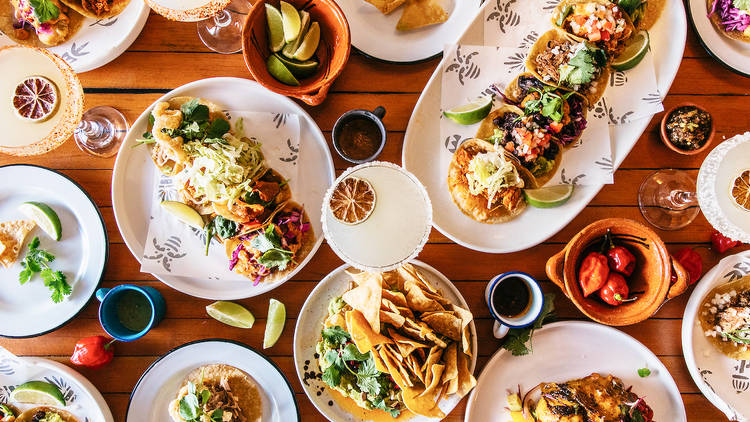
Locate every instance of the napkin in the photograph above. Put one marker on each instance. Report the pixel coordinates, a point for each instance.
(174, 248)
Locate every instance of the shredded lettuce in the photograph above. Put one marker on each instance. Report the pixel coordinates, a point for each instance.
(491, 172)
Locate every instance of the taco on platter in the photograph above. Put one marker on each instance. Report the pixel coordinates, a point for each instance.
(38, 23)
(731, 18)
(98, 9)
(46, 414)
(725, 318)
(600, 22)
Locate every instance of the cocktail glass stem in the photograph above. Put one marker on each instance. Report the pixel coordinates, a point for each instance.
(223, 32)
(667, 199)
(101, 131)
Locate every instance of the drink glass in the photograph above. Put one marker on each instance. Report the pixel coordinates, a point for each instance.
(667, 199)
(223, 32)
(101, 131)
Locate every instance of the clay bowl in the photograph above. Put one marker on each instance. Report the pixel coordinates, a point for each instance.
(652, 276)
(333, 51)
(670, 145)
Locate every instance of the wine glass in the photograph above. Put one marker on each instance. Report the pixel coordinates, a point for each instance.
(668, 200)
(101, 131)
(223, 32)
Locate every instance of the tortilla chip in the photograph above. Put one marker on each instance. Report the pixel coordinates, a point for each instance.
(413, 364)
(466, 380)
(386, 6)
(379, 364)
(362, 334)
(392, 318)
(445, 323)
(450, 375)
(405, 345)
(397, 361)
(397, 298)
(434, 376)
(466, 318)
(12, 236)
(366, 298)
(423, 405)
(417, 299)
(433, 358)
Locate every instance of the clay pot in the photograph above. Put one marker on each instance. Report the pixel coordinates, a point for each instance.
(670, 145)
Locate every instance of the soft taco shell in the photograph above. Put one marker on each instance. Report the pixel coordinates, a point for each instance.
(707, 323)
(652, 13)
(75, 21)
(28, 415)
(514, 92)
(565, 3)
(284, 195)
(735, 35)
(114, 9)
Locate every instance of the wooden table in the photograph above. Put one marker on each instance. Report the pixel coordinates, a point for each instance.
(168, 55)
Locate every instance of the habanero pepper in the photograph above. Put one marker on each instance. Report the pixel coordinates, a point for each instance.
(593, 273)
(93, 352)
(615, 291)
(692, 263)
(722, 243)
(621, 260)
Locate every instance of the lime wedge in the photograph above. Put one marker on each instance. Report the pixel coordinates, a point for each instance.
(291, 47)
(38, 392)
(274, 323)
(184, 213)
(291, 20)
(275, 28)
(299, 69)
(309, 44)
(278, 70)
(548, 196)
(231, 313)
(471, 113)
(633, 53)
(44, 216)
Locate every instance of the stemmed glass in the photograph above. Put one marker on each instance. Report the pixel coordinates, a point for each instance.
(101, 131)
(668, 199)
(223, 32)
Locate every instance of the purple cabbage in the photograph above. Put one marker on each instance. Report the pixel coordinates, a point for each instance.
(732, 18)
(235, 257)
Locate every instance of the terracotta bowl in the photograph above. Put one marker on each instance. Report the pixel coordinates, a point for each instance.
(652, 276)
(668, 143)
(333, 51)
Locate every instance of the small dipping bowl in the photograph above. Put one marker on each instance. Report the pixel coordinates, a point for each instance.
(359, 132)
(144, 306)
(530, 312)
(665, 138)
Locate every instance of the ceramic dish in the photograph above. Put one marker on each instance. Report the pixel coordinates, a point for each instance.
(732, 54)
(134, 177)
(668, 143)
(569, 350)
(158, 386)
(310, 323)
(81, 253)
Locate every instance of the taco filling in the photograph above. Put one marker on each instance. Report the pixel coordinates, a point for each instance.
(7, 414)
(492, 176)
(571, 64)
(48, 19)
(730, 315)
(604, 24)
(733, 15)
(528, 138)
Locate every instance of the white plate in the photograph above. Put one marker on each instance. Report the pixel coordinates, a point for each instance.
(81, 253)
(310, 323)
(724, 381)
(569, 350)
(82, 399)
(733, 54)
(134, 175)
(99, 41)
(158, 386)
(533, 226)
(375, 34)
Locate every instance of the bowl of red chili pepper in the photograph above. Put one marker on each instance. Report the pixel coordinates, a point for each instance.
(617, 272)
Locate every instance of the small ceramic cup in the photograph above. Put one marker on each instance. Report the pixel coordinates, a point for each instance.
(504, 324)
(376, 116)
(108, 312)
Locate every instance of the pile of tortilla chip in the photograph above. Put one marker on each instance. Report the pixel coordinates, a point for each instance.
(416, 335)
(12, 236)
(417, 13)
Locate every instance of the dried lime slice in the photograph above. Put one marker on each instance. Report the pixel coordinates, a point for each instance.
(35, 99)
(352, 200)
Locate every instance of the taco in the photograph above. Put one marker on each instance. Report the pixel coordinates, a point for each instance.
(526, 137)
(731, 18)
(218, 392)
(46, 414)
(559, 59)
(269, 253)
(54, 24)
(600, 22)
(485, 182)
(262, 198)
(7, 413)
(724, 315)
(97, 9)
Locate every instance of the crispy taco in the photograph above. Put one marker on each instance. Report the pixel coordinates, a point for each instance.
(97, 9)
(557, 58)
(725, 318)
(528, 137)
(218, 392)
(485, 182)
(731, 18)
(52, 24)
(600, 22)
(46, 414)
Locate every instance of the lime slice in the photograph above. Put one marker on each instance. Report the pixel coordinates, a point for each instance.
(184, 213)
(548, 196)
(292, 47)
(299, 69)
(38, 392)
(291, 20)
(310, 44)
(275, 28)
(231, 313)
(274, 323)
(44, 216)
(35, 99)
(471, 113)
(278, 70)
(633, 53)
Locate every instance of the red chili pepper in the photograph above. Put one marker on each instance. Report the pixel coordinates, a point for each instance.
(593, 273)
(692, 262)
(722, 243)
(620, 259)
(615, 291)
(93, 352)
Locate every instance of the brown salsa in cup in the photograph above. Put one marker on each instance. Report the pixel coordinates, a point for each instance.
(688, 127)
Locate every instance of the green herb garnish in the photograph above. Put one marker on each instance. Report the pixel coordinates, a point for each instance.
(550, 104)
(224, 227)
(644, 372)
(37, 261)
(567, 10)
(581, 68)
(518, 341)
(45, 10)
(737, 336)
(269, 244)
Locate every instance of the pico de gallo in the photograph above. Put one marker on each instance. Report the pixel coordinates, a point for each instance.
(602, 24)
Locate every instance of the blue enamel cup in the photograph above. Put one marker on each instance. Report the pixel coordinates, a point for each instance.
(108, 312)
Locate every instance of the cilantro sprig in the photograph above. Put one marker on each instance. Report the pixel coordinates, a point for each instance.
(37, 261)
(550, 104)
(224, 227)
(268, 243)
(196, 125)
(582, 67)
(45, 10)
(518, 341)
(191, 406)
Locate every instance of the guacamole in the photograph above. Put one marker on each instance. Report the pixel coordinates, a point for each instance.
(49, 417)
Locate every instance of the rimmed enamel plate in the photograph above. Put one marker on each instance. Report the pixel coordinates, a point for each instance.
(733, 54)
(81, 253)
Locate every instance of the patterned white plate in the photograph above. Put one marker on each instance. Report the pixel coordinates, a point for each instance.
(733, 54)
(99, 41)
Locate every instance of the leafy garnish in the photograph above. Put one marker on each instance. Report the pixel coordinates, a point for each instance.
(37, 261)
(191, 406)
(581, 68)
(738, 336)
(518, 340)
(550, 104)
(567, 10)
(6, 411)
(45, 10)
(634, 8)
(335, 335)
(269, 244)
(193, 111)
(644, 372)
(224, 227)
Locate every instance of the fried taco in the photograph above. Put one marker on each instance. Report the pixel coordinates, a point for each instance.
(528, 137)
(97, 9)
(46, 414)
(43, 23)
(270, 252)
(485, 182)
(558, 58)
(731, 18)
(599, 22)
(725, 318)
(218, 392)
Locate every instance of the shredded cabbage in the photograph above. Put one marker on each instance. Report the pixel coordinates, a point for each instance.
(491, 172)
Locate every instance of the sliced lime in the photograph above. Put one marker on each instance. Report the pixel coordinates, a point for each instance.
(291, 47)
(44, 216)
(38, 392)
(470, 113)
(278, 70)
(548, 196)
(231, 313)
(309, 44)
(184, 213)
(275, 28)
(633, 53)
(291, 20)
(274, 323)
(299, 69)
